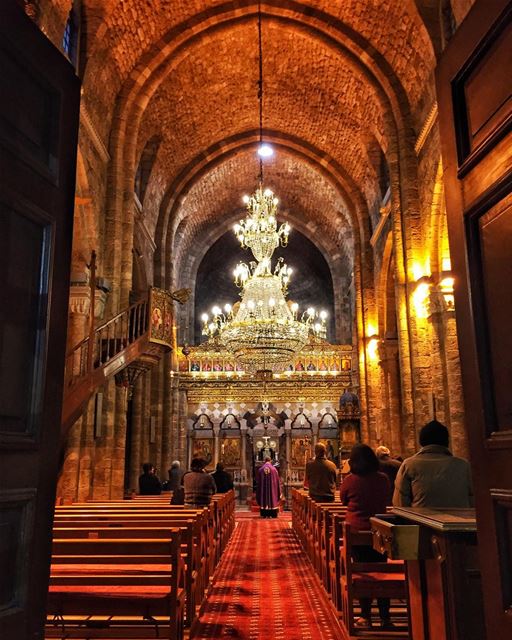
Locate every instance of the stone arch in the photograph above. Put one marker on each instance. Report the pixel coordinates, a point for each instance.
(138, 90)
(439, 21)
(177, 192)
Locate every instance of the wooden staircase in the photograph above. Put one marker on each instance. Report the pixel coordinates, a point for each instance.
(139, 336)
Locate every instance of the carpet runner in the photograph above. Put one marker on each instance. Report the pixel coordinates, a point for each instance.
(266, 588)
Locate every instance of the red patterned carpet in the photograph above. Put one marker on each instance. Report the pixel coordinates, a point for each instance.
(265, 588)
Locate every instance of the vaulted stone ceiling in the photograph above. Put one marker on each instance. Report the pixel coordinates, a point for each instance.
(345, 81)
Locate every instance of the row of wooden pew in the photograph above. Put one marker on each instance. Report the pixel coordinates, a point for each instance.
(136, 567)
(328, 541)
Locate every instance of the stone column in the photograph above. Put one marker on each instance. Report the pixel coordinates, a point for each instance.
(78, 327)
(190, 436)
(288, 432)
(86, 473)
(243, 435)
(182, 424)
(166, 458)
(136, 436)
(442, 317)
(216, 444)
(391, 428)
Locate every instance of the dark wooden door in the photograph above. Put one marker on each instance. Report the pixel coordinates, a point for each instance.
(38, 137)
(474, 81)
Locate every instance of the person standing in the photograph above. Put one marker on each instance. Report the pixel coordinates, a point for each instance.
(198, 485)
(175, 475)
(268, 490)
(320, 477)
(433, 477)
(389, 466)
(149, 484)
(223, 479)
(365, 491)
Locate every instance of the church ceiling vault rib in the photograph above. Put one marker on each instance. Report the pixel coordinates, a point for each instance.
(324, 27)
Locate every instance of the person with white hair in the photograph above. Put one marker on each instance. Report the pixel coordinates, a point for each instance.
(175, 476)
(389, 466)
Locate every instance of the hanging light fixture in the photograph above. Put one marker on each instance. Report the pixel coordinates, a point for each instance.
(264, 330)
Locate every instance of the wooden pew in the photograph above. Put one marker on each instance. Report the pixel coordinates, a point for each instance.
(217, 523)
(193, 583)
(117, 588)
(368, 579)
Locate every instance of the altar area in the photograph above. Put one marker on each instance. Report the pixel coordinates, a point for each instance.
(239, 418)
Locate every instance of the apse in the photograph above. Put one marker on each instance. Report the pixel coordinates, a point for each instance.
(310, 285)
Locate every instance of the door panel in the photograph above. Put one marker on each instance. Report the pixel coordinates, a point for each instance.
(474, 85)
(38, 138)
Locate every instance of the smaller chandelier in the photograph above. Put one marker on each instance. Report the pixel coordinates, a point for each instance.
(264, 330)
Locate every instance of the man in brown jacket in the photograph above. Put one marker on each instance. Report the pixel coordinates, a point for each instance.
(321, 476)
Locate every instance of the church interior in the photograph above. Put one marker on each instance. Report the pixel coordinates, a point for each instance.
(233, 230)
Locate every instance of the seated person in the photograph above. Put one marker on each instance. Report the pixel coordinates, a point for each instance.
(223, 479)
(365, 491)
(175, 475)
(198, 485)
(149, 484)
(320, 476)
(434, 477)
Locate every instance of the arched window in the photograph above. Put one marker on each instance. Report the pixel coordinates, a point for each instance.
(71, 36)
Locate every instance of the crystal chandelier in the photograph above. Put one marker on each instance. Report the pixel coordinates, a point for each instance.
(264, 330)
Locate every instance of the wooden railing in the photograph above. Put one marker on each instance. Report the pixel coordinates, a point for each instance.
(108, 341)
(142, 331)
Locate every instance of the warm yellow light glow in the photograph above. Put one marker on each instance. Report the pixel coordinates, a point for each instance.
(420, 299)
(372, 348)
(446, 284)
(421, 268)
(371, 330)
(446, 264)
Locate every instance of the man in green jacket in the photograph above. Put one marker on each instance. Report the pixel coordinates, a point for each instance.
(433, 477)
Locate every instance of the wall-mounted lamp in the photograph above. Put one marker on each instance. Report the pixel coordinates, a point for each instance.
(420, 296)
(372, 346)
(446, 284)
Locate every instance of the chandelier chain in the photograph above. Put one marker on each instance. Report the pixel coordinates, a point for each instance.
(260, 87)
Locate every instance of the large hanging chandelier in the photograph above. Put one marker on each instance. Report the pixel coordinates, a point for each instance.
(263, 330)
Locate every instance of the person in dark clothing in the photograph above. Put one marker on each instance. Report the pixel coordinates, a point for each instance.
(223, 479)
(175, 476)
(389, 466)
(365, 491)
(149, 484)
(198, 485)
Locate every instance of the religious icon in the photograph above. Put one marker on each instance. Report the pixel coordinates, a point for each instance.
(301, 451)
(231, 452)
(334, 366)
(331, 450)
(345, 364)
(228, 367)
(217, 366)
(156, 318)
(299, 366)
(202, 449)
(206, 366)
(311, 367)
(195, 366)
(323, 366)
